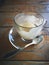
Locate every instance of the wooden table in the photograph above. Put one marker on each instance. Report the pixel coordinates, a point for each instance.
(8, 9)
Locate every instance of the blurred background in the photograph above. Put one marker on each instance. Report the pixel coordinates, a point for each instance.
(8, 9)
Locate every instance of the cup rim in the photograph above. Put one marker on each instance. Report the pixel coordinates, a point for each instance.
(24, 26)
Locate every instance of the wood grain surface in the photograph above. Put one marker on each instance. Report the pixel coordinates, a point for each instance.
(10, 8)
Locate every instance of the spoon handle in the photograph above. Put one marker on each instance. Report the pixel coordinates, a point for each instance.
(11, 53)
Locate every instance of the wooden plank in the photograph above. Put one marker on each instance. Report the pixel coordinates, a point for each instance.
(21, 8)
(23, 63)
(27, 56)
(17, 8)
(24, 1)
